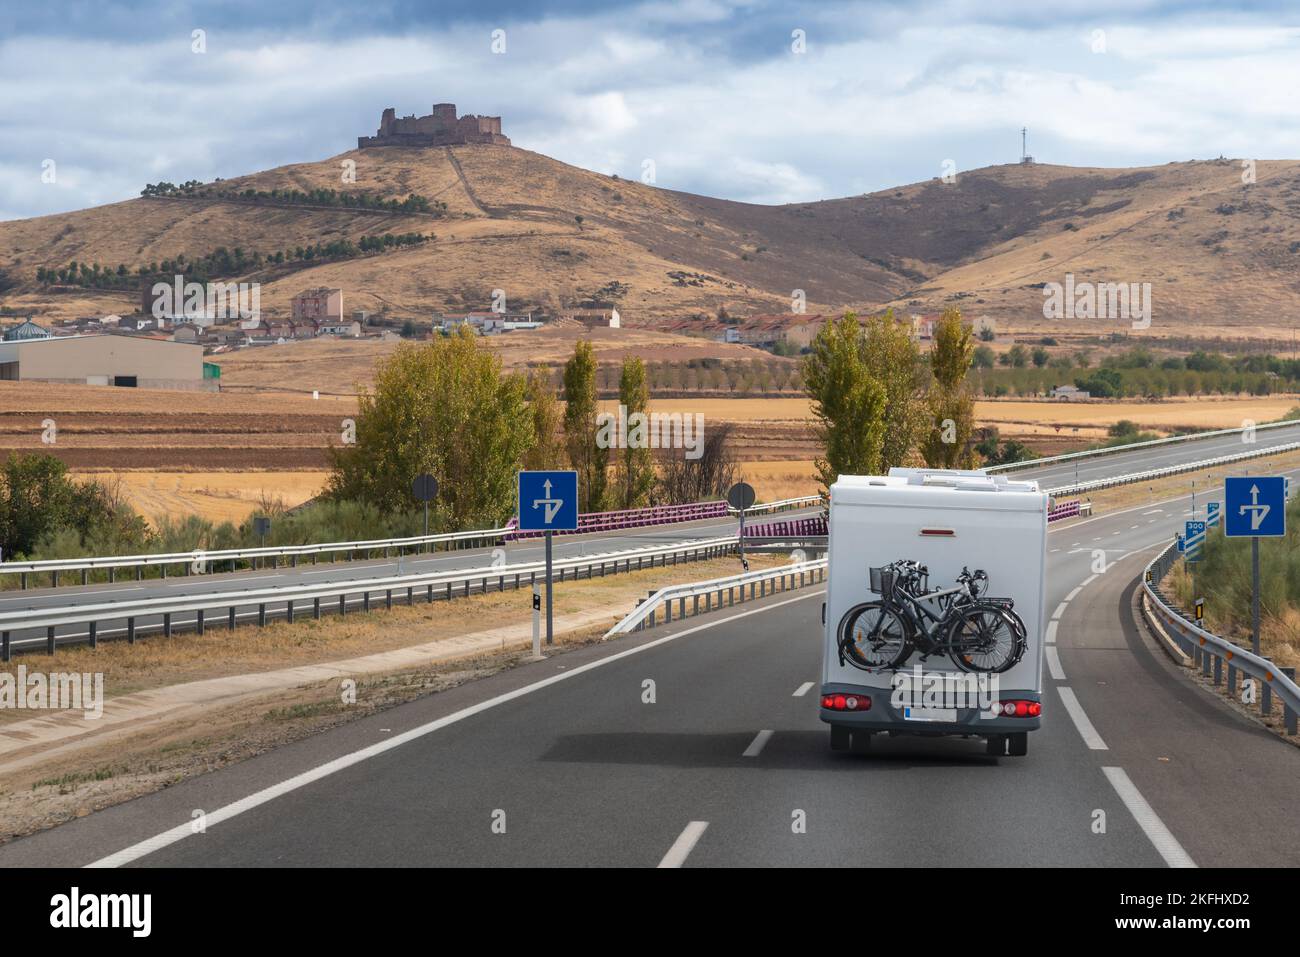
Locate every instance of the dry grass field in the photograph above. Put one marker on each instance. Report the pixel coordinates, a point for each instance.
(220, 454)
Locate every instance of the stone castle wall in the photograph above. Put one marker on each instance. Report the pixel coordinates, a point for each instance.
(440, 128)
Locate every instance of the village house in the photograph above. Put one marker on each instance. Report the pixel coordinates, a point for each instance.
(321, 305)
(346, 329)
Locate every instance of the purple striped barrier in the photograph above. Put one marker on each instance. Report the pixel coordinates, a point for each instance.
(1063, 510)
(632, 518)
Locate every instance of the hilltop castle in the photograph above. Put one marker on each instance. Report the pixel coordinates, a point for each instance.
(439, 128)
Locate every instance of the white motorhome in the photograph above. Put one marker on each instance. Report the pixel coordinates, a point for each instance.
(945, 521)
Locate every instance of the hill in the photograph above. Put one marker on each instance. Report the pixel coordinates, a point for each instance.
(1221, 257)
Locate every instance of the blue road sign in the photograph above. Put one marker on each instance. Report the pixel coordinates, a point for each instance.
(1255, 506)
(1181, 544)
(1212, 514)
(548, 501)
(1195, 538)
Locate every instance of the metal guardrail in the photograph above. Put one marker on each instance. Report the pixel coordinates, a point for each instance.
(644, 615)
(780, 504)
(282, 601)
(1115, 449)
(206, 560)
(1134, 477)
(1207, 649)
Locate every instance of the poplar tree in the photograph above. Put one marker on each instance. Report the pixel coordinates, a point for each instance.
(580, 428)
(894, 362)
(636, 471)
(547, 451)
(848, 403)
(952, 407)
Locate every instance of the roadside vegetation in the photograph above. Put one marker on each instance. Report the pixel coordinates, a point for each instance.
(878, 405)
(1223, 579)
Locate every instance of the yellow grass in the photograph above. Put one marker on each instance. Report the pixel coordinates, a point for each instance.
(218, 496)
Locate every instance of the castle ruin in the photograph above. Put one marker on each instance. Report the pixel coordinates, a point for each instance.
(439, 128)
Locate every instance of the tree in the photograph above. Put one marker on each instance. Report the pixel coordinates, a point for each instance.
(700, 479)
(891, 358)
(983, 358)
(580, 428)
(444, 408)
(952, 408)
(547, 450)
(636, 470)
(1016, 357)
(848, 403)
(1040, 356)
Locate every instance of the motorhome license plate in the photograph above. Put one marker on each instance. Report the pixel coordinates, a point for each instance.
(929, 714)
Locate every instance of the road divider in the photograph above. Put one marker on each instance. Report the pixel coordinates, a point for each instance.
(694, 598)
(136, 616)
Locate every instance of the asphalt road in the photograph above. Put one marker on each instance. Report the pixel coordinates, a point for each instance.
(563, 762)
(1062, 474)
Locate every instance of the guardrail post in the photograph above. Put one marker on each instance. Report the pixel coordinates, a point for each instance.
(1218, 670)
(343, 605)
(365, 600)
(1266, 696)
(696, 609)
(1205, 662)
(130, 631)
(315, 608)
(430, 594)
(83, 576)
(1232, 679)
(388, 599)
(22, 580)
(261, 615)
(163, 566)
(288, 611)
(49, 640)
(448, 591)
(139, 573)
(167, 624)
(230, 620)
(1288, 712)
(54, 578)
(93, 630)
(5, 651)
(112, 575)
(681, 608)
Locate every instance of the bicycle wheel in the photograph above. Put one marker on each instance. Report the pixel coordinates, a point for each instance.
(985, 638)
(873, 637)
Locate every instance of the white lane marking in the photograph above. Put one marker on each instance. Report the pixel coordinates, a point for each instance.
(1071, 596)
(1049, 636)
(1054, 550)
(684, 844)
(758, 744)
(1134, 526)
(115, 591)
(802, 690)
(1089, 734)
(1074, 544)
(1153, 511)
(1054, 662)
(1060, 609)
(1087, 581)
(1165, 843)
(182, 831)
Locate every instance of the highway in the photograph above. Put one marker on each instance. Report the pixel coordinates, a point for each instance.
(561, 762)
(1062, 474)
(529, 550)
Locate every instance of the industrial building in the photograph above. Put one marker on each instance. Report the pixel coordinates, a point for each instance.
(130, 361)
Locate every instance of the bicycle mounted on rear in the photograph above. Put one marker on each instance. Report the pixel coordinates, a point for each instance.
(978, 633)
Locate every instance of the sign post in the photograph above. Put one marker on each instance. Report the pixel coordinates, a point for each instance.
(741, 497)
(548, 502)
(1254, 507)
(261, 525)
(425, 489)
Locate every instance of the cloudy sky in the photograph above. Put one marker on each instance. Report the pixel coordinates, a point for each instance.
(760, 101)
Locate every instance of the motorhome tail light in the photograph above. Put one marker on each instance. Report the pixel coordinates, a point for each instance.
(846, 702)
(939, 532)
(1020, 708)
